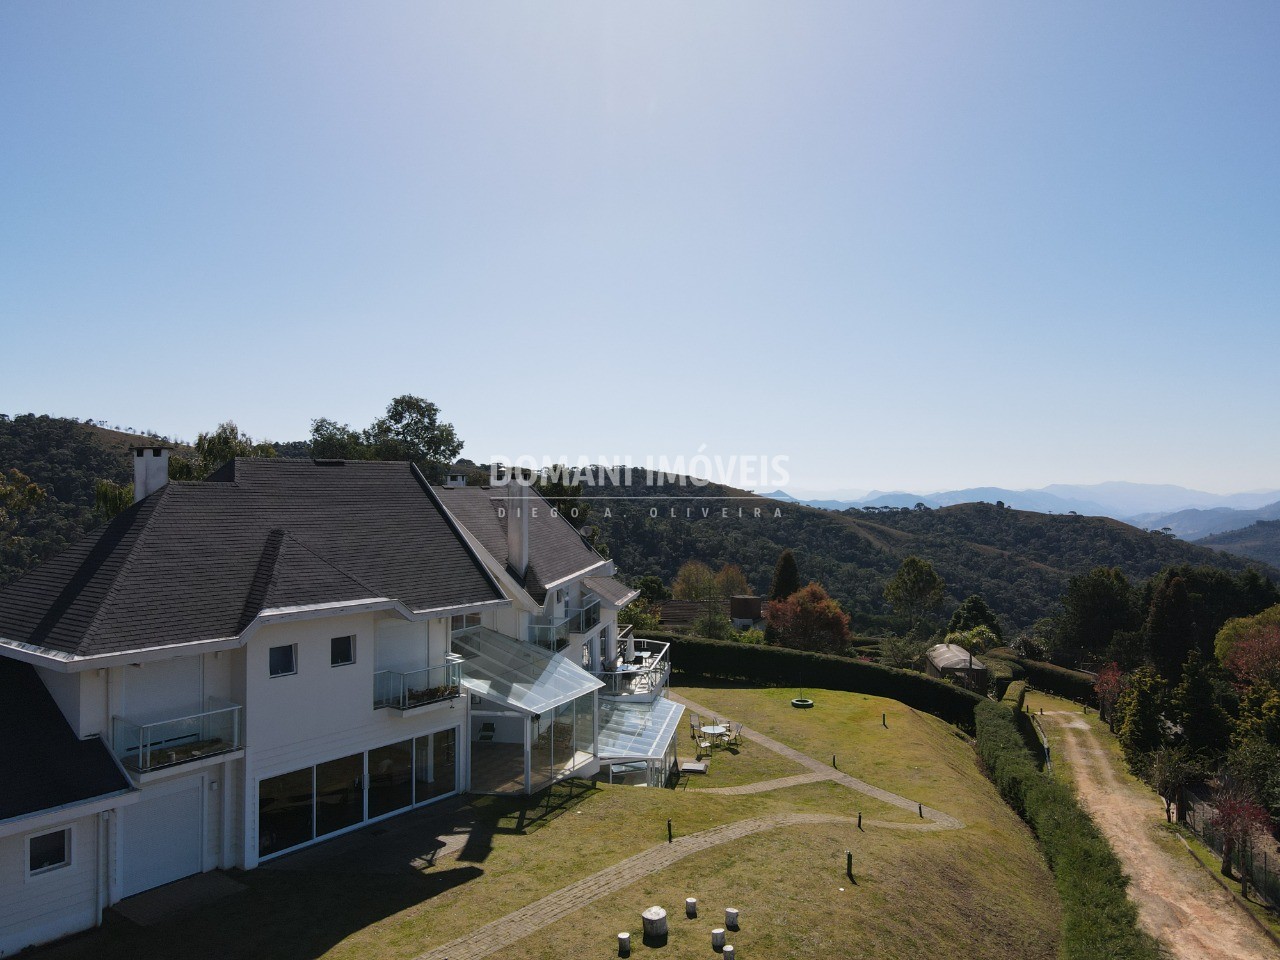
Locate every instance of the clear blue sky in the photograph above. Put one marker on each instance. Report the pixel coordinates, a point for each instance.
(905, 245)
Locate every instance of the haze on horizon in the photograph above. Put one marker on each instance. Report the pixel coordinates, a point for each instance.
(908, 247)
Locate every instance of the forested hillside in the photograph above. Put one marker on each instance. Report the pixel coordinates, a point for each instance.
(1261, 541)
(65, 458)
(1019, 561)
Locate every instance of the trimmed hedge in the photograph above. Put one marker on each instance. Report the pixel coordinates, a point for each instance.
(1098, 919)
(782, 666)
(1072, 684)
(1014, 695)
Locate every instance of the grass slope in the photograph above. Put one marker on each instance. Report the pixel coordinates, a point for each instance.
(983, 891)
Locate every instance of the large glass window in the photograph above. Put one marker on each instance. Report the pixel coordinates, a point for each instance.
(284, 811)
(464, 621)
(390, 778)
(339, 793)
(436, 765)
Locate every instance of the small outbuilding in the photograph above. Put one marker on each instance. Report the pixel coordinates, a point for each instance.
(950, 661)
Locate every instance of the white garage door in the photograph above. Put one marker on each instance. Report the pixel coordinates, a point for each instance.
(162, 837)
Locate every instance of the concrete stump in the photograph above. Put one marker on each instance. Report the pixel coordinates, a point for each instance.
(655, 927)
(691, 907)
(624, 944)
(731, 918)
(728, 952)
(717, 938)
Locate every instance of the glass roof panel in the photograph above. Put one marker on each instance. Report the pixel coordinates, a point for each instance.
(519, 675)
(630, 730)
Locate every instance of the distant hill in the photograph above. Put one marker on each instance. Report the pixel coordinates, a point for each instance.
(1143, 504)
(1019, 560)
(1259, 542)
(1197, 524)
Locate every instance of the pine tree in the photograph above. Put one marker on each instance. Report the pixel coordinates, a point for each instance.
(1170, 632)
(1194, 706)
(786, 577)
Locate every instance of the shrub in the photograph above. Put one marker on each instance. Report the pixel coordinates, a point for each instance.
(1098, 918)
(1072, 684)
(1015, 695)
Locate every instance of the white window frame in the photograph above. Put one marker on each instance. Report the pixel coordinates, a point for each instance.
(280, 646)
(69, 831)
(343, 663)
(469, 620)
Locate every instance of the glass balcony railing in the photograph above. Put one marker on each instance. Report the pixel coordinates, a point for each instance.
(554, 634)
(417, 688)
(142, 747)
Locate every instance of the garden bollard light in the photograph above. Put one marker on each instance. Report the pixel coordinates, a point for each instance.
(884, 720)
(859, 819)
(669, 834)
(920, 808)
(848, 863)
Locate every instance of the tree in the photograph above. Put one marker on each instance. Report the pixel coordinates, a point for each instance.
(652, 589)
(1094, 607)
(902, 651)
(1255, 656)
(914, 590)
(641, 614)
(1194, 706)
(1259, 715)
(1172, 768)
(1140, 716)
(786, 577)
(411, 430)
(976, 639)
(335, 441)
(810, 619)
(18, 492)
(694, 581)
(112, 499)
(1108, 686)
(215, 448)
(732, 582)
(974, 612)
(1239, 816)
(1170, 629)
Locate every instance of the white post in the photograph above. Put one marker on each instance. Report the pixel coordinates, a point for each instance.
(717, 938)
(731, 918)
(624, 944)
(691, 907)
(728, 952)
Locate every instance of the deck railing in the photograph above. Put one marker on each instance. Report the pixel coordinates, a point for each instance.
(404, 690)
(142, 747)
(645, 677)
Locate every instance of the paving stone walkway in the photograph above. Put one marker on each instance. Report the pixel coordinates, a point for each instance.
(555, 906)
(935, 819)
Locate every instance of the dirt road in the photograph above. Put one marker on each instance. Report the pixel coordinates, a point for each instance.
(1191, 915)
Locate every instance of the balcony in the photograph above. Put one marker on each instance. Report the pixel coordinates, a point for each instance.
(643, 677)
(553, 634)
(418, 688)
(144, 747)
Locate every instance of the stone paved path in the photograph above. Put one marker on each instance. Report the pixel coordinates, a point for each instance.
(555, 906)
(937, 820)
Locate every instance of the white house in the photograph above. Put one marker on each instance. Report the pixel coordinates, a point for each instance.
(287, 651)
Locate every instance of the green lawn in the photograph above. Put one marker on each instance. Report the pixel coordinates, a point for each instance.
(983, 891)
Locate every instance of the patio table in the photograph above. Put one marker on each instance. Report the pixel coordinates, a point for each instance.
(715, 729)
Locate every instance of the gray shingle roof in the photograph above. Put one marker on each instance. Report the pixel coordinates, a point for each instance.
(198, 561)
(556, 549)
(610, 590)
(47, 764)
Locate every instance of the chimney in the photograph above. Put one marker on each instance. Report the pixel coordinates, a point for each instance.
(150, 470)
(456, 479)
(517, 523)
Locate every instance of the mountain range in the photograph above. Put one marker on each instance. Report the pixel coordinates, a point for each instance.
(1188, 514)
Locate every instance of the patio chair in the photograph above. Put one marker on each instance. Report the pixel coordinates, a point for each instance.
(733, 736)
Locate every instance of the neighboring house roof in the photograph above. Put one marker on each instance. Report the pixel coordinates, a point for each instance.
(951, 656)
(45, 764)
(611, 590)
(199, 561)
(689, 611)
(556, 549)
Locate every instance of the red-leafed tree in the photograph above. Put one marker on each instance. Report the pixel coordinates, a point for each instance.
(1108, 687)
(1239, 817)
(810, 619)
(1256, 656)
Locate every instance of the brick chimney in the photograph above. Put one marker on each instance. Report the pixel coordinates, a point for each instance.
(150, 470)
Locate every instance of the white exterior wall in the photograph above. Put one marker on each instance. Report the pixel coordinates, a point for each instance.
(324, 712)
(50, 905)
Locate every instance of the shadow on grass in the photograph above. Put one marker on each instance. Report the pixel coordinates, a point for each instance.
(520, 815)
